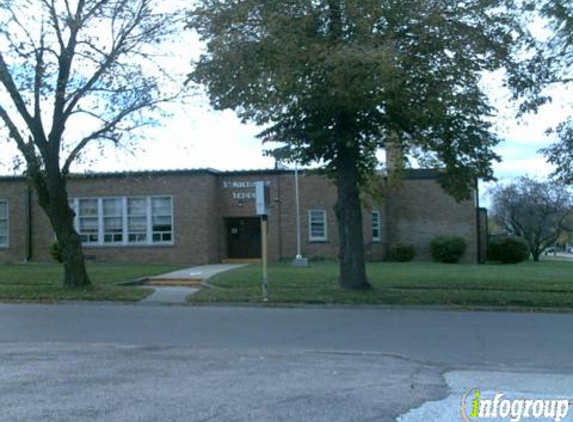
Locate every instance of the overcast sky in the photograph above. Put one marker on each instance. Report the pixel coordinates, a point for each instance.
(196, 137)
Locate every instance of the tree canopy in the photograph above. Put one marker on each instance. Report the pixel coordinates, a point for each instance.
(404, 70)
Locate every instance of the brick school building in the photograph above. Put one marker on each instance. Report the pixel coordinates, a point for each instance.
(208, 216)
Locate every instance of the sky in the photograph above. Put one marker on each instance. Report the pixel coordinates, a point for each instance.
(195, 136)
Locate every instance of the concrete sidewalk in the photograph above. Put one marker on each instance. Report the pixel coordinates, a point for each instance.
(194, 274)
(174, 287)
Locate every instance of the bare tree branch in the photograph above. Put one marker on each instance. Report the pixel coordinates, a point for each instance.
(18, 100)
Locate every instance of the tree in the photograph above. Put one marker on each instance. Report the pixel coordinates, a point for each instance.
(548, 64)
(74, 73)
(537, 211)
(338, 79)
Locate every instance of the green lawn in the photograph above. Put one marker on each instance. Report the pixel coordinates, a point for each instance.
(42, 282)
(546, 284)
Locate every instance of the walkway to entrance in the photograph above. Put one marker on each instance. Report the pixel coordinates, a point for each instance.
(174, 287)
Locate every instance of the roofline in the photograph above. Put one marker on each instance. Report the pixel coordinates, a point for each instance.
(410, 174)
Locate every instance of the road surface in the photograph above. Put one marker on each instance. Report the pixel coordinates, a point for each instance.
(109, 362)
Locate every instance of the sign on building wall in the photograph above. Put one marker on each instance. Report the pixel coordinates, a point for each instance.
(243, 190)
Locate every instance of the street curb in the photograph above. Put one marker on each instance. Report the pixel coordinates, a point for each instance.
(492, 309)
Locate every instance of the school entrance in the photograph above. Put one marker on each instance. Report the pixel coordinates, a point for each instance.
(243, 238)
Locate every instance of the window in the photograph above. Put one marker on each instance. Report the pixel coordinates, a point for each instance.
(137, 220)
(123, 221)
(161, 219)
(3, 223)
(113, 220)
(317, 225)
(376, 227)
(88, 220)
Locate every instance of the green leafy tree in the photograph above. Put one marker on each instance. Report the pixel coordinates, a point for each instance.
(338, 79)
(548, 66)
(74, 73)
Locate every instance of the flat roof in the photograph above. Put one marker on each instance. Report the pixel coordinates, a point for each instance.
(411, 174)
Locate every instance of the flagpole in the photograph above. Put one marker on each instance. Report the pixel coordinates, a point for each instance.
(296, 192)
(299, 261)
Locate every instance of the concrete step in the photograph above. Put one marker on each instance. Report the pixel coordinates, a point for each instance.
(242, 261)
(173, 282)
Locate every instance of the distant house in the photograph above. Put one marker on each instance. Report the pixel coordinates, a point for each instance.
(208, 216)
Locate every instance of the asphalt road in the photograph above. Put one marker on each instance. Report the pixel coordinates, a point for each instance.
(92, 362)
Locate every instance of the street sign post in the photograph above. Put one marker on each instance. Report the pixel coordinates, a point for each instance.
(262, 199)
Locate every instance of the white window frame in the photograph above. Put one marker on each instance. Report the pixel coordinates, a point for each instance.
(376, 226)
(324, 222)
(74, 204)
(7, 219)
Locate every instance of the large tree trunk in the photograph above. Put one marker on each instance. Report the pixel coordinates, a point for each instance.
(350, 231)
(53, 198)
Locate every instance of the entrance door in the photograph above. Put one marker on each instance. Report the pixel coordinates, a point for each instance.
(244, 238)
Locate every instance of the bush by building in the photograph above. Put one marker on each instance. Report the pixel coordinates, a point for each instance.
(508, 249)
(448, 249)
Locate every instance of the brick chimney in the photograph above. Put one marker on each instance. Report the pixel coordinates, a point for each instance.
(394, 157)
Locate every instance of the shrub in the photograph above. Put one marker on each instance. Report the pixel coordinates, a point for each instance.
(402, 253)
(508, 249)
(448, 249)
(56, 252)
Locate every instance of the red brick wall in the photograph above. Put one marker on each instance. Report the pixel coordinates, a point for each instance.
(413, 213)
(419, 210)
(15, 192)
(193, 207)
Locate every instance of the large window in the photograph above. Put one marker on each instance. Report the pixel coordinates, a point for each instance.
(317, 228)
(376, 227)
(113, 220)
(137, 220)
(88, 220)
(3, 223)
(161, 219)
(124, 221)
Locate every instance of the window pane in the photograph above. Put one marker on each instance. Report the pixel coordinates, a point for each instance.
(113, 220)
(161, 206)
(137, 237)
(88, 207)
(88, 220)
(112, 207)
(89, 224)
(137, 224)
(161, 219)
(137, 206)
(317, 225)
(375, 225)
(113, 224)
(137, 220)
(3, 210)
